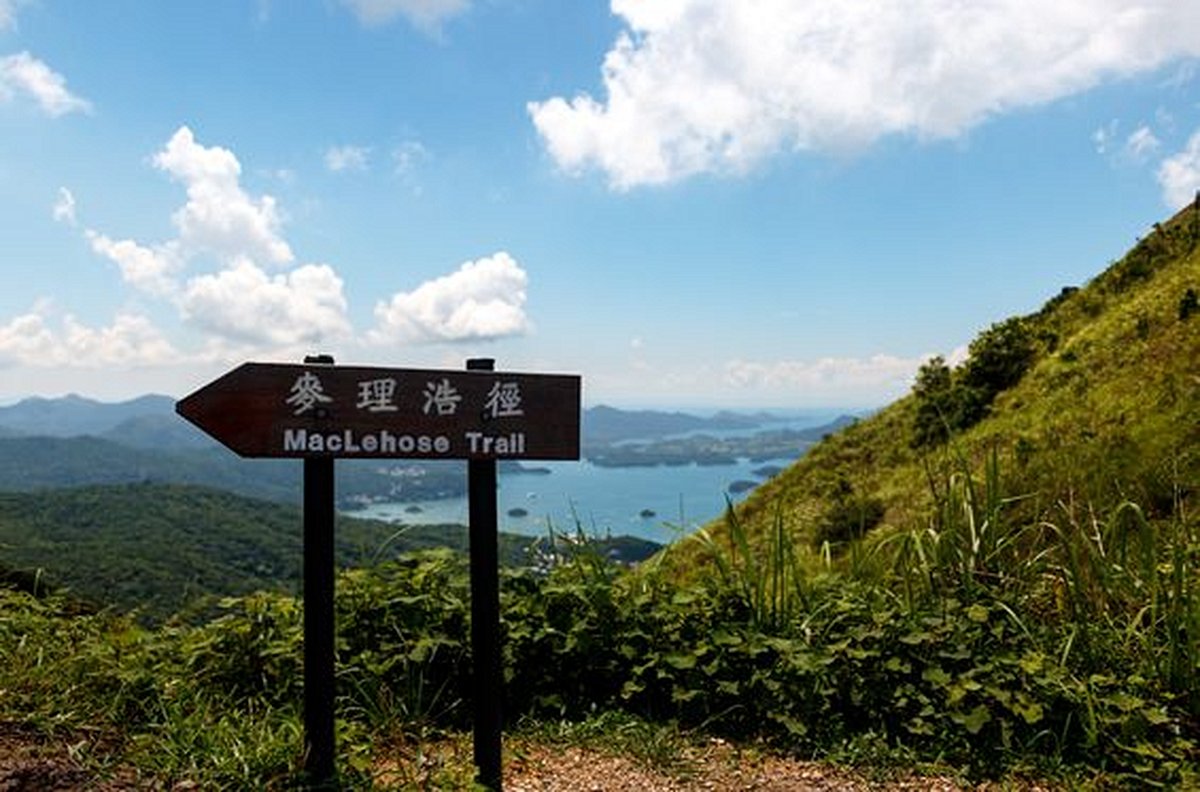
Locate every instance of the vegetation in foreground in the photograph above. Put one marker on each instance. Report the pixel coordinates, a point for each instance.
(990, 645)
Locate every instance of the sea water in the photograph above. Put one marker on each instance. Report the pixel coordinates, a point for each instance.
(659, 503)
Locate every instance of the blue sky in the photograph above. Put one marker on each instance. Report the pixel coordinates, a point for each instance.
(693, 203)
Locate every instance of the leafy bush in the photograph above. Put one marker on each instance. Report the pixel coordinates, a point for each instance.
(951, 401)
(850, 516)
(998, 357)
(1189, 303)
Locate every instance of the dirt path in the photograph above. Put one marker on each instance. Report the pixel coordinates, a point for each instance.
(717, 767)
(29, 763)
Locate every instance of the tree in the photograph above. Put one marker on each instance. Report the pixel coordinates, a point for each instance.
(934, 393)
(999, 357)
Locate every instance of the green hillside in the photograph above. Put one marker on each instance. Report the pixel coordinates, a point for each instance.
(165, 548)
(1093, 400)
(161, 547)
(38, 463)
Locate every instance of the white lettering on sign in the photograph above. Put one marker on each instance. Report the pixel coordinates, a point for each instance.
(346, 442)
(307, 392)
(377, 395)
(503, 400)
(441, 397)
(499, 445)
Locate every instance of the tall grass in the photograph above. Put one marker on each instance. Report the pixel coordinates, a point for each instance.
(771, 578)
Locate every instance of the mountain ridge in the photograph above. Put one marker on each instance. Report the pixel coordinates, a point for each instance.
(1103, 410)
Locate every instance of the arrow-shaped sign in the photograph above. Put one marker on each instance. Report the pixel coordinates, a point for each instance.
(289, 410)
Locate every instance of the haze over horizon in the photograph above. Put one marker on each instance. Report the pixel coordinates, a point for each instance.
(731, 203)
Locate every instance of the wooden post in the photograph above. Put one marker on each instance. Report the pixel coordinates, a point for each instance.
(487, 671)
(319, 747)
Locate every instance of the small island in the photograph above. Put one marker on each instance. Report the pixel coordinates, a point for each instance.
(517, 511)
(740, 486)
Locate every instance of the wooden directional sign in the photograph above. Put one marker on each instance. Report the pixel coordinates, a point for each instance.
(287, 410)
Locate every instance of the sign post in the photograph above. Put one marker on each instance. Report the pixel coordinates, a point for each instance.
(487, 673)
(319, 412)
(319, 691)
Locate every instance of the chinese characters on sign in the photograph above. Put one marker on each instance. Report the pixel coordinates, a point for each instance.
(307, 393)
(375, 395)
(441, 397)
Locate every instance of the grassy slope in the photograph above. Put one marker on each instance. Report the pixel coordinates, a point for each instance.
(1107, 412)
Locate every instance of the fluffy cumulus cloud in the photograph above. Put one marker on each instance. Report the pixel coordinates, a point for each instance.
(830, 377)
(243, 303)
(1179, 175)
(150, 269)
(23, 74)
(131, 340)
(716, 85)
(425, 14)
(220, 271)
(219, 217)
(483, 299)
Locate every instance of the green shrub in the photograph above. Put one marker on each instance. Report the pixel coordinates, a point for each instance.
(1189, 303)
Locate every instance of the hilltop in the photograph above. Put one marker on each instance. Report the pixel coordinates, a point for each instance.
(1092, 400)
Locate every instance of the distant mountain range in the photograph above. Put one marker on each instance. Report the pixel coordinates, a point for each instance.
(71, 416)
(150, 422)
(76, 441)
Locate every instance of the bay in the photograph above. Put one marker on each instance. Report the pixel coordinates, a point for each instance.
(660, 503)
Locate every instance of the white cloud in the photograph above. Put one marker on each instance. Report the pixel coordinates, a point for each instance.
(24, 74)
(26, 339)
(828, 376)
(219, 217)
(408, 155)
(64, 207)
(1179, 175)
(1104, 136)
(346, 158)
(130, 340)
(483, 299)
(148, 269)
(1142, 143)
(425, 14)
(243, 303)
(238, 305)
(8, 13)
(717, 85)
